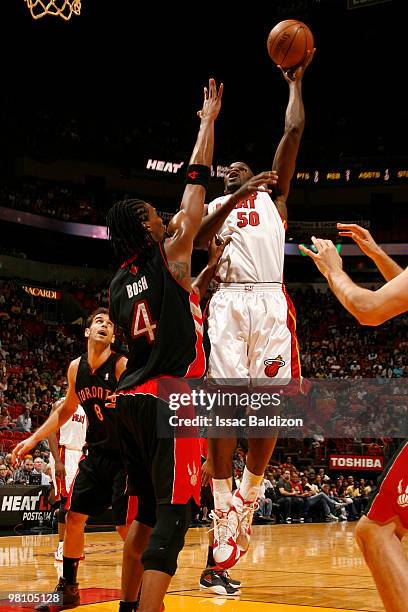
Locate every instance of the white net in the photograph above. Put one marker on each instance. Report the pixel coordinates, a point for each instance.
(58, 8)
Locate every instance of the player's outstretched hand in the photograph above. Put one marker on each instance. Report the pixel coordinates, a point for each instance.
(111, 403)
(361, 237)
(296, 74)
(216, 249)
(258, 182)
(23, 448)
(327, 258)
(212, 101)
(60, 470)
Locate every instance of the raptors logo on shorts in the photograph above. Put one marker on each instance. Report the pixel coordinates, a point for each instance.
(390, 499)
(403, 495)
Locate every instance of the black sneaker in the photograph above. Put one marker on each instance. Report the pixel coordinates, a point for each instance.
(214, 582)
(234, 583)
(69, 597)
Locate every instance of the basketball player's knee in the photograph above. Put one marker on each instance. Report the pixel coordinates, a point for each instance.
(62, 512)
(75, 520)
(167, 538)
(136, 540)
(368, 534)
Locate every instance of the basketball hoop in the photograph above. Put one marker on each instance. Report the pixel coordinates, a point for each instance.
(58, 8)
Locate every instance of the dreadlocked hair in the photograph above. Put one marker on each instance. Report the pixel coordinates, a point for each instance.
(127, 234)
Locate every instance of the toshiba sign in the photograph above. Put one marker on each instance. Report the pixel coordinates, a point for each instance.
(356, 462)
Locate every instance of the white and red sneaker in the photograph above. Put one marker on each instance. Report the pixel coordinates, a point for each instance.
(245, 511)
(225, 549)
(59, 553)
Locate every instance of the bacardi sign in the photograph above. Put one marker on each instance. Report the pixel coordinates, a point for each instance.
(50, 294)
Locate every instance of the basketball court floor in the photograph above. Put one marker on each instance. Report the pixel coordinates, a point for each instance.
(289, 568)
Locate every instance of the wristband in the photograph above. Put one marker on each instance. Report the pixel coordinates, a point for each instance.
(198, 174)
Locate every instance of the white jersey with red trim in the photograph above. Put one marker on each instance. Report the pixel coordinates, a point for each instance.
(256, 251)
(73, 433)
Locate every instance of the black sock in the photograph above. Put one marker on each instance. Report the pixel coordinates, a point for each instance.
(210, 558)
(70, 569)
(128, 606)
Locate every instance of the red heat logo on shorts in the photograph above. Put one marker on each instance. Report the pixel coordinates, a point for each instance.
(272, 366)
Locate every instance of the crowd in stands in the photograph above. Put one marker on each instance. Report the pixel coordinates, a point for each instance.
(67, 202)
(33, 469)
(333, 345)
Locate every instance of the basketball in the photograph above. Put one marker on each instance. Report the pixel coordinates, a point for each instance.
(288, 43)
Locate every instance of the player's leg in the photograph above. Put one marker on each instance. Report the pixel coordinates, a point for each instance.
(160, 556)
(134, 520)
(90, 494)
(73, 544)
(132, 569)
(62, 512)
(174, 470)
(213, 578)
(228, 365)
(272, 339)
(228, 331)
(139, 484)
(384, 554)
(70, 459)
(380, 532)
(60, 492)
(67, 585)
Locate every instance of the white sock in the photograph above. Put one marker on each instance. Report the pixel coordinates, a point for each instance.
(250, 485)
(222, 493)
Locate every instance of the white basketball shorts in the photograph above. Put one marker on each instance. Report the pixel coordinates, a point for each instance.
(252, 328)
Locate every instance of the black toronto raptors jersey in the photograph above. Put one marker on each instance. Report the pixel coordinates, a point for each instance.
(92, 388)
(162, 321)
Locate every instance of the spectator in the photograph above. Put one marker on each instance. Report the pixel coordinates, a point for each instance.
(313, 498)
(5, 477)
(23, 422)
(22, 475)
(264, 511)
(39, 468)
(290, 504)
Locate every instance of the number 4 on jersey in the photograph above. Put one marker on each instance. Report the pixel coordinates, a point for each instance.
(142, 324)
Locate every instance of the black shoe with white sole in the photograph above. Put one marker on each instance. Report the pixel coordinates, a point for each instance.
(214, 581)
(234, 583)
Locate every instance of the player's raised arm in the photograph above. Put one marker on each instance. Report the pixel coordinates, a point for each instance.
(284, 162)
(368, 307)
(184, 225)
(362, 237)
(56, 419)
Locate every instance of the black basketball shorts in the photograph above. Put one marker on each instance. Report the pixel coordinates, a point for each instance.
(99, 484)
(165, 469)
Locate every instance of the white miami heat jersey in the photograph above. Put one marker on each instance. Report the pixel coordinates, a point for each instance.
(73, 432)
(256, 251)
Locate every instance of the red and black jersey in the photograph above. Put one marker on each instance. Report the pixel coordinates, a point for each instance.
(162, 321)
(92, 388)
